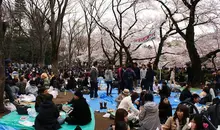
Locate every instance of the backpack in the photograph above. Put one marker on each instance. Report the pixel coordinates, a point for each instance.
(129, 74)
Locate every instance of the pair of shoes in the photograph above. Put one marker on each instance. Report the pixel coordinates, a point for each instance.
(101, 105)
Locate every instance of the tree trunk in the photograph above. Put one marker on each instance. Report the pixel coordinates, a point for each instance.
(42, 55)
(2, 81)
(55, 52)
(159, 52)
(2, 65)
(70, 55)
(89, 50)
(121, 56)
(193, 54)
(69, 60)
(129, 59)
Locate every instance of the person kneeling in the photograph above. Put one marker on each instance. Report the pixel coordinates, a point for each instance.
(80, 115)
(47, 119)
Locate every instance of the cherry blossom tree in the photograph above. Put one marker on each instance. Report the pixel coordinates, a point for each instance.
(192, 17)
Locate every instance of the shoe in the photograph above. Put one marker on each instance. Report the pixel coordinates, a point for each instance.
(92, 98)
(105, 105)
(101, 105)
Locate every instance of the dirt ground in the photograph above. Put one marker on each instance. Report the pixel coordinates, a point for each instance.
(100, 122)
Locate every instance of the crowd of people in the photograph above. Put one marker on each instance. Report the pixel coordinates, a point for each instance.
(133, 108)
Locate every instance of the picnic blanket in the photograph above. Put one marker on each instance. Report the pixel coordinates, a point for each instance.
(13, 121)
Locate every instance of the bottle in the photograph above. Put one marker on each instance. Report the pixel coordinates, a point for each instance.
(65, 92)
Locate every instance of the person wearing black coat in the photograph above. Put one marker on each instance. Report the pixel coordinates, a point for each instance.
(165, 91)
(71, 83)
(165, 109)
(214, 112)
(149, 78)
(186, 94)
(80, 115)
(136, 70)
(40, 98)
(48, 115)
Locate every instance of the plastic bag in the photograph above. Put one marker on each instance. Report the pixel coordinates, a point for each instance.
(32, 112)
(10, 106)
(27, 98)
(53, 92)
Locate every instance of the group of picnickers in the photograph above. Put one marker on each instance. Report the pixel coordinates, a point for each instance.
(134, 107)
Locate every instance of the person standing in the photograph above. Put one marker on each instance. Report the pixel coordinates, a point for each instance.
(120, 73)
(149, 78)
(128, 77)
(93, 81)
(172, 76)
(137, 73)
(109, 79)
(143, 72)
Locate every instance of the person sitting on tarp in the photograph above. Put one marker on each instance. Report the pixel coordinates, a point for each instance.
(121, 120)
(194, 100)
(31, 87)
(165, 109)
(80, 115)
(127, 104)
(71, 83)
(47, 119)
(40, 98)
(140, 101)
(121, 96)
(214, 112)
(206, 96)
(186, 94)
(165, 91)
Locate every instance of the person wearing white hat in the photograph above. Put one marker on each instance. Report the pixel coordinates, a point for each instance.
(128, 104)
(123, 94)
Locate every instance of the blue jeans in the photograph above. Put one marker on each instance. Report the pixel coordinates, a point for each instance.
(109, 83)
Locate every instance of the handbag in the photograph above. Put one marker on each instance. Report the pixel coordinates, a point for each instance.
(22, 109)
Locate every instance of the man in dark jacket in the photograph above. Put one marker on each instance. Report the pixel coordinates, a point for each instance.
(149, 78)
(71, 83)
(186, 94)
(128, 77)
(165, 91)
(137, 73)
(80, 114)
(214, 112)
(48, 115)
(93, 81)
